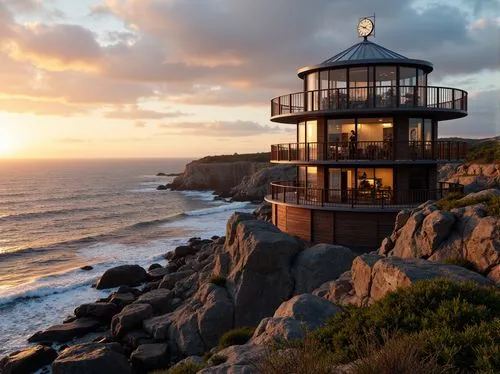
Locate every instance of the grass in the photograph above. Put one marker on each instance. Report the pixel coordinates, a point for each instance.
(431, 327)
(253, 157)
(486, 152)
(218, 281)
(451, 201)
(462, 262)
(217, 359)
(237, 336)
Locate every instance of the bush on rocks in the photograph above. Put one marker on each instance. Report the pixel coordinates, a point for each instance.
(236, 337)
(458, 322)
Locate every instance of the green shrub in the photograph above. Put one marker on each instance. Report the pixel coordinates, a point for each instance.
(484, 152)
(459, 321)
(237, 336)
(187, 368)
(493, 207)
(217, 359)
(218, 281)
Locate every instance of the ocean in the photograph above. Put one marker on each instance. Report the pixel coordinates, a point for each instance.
(59, 215)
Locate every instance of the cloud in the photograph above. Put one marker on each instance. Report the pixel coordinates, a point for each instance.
(134, 112)
(218, 129)
(73, 140)
(139, 124)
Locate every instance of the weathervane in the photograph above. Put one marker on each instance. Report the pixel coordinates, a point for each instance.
(366, 26)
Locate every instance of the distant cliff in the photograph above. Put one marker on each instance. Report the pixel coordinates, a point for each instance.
(218, 176)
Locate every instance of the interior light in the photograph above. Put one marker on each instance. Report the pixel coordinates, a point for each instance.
(387, 125)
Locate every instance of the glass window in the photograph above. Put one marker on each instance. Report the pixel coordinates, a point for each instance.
(312, 176)
(366, 179)
(323, 80)
(373, 129)
(422, 78)
(312, 131)
(407, 76)
(301, 136)
(415, 130)
(338, 78)
(302, 176)
(384, 179)
(427, 130)
(312, 81)
(339, 129)
(385, 76)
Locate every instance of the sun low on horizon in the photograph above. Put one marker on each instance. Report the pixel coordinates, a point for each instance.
(105, 78)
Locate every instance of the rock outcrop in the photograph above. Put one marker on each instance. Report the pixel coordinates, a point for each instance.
(27, 360)
(67, 331)
(219, 176)
(373, 276)
(124, 275)
(256, 186)
(475, 177)
(91, 358)
(465, 234)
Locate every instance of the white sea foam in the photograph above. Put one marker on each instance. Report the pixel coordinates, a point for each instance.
(218, 209)
(199, 195)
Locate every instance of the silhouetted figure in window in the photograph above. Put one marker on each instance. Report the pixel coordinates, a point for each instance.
(352, 144)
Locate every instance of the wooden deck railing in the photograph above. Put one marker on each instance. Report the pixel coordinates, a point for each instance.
(294, 194)
(368, 150)
(390, 97)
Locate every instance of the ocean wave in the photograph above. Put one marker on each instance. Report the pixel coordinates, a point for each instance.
(45, 213)
(218, 209)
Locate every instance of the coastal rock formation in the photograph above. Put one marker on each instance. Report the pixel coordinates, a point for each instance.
(466, 234)
(66, 331)
(256, 186)
(219, 176)
(129, 318)
(27, 360)
(318, 264)
(239, 359)
(104, 311)
(258, 259)
(124, 275)
(475, 177)
(373, 276)
(91, 358)
(149, 357)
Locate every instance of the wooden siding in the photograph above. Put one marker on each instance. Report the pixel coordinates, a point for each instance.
(299, 222)
(322, 226)
(282, 218)
(352, 229)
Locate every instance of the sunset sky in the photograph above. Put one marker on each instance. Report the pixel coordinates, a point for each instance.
(187, 78)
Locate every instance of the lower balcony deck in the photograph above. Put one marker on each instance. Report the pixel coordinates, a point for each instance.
(370, 200)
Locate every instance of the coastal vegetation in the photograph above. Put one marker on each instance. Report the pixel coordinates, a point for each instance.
(484, 151)
(457, 200)
(236, 157)
(434, 326)
(236, 336)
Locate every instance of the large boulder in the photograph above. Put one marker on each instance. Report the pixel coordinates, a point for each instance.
(159, 299)
(307, 308)
(318, 264)
(28, 360)
(389, 274)
(91, 358)
(293, 318)
(198, 325)
(259, 264)
(239, 359)
(124, 275)
(130, 318)
(66, 331)
(104, 311)
(149, 357)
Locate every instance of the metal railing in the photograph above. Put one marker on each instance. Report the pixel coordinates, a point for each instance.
(370, 150)
(295, 194)
(369, 98)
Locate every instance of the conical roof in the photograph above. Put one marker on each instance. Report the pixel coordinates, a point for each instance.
(366, 50)
(364, 54)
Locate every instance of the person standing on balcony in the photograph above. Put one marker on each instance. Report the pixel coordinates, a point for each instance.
(352, 143)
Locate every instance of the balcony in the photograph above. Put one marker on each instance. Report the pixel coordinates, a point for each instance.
(443, 102)
(369, 151)
(291, 193)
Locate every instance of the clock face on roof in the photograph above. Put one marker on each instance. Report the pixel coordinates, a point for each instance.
(365, 27)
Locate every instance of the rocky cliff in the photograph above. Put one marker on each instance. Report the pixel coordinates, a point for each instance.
(464, 230)
(475, 177)
(254, 276)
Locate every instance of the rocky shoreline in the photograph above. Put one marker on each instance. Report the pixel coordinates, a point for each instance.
(256, 276)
